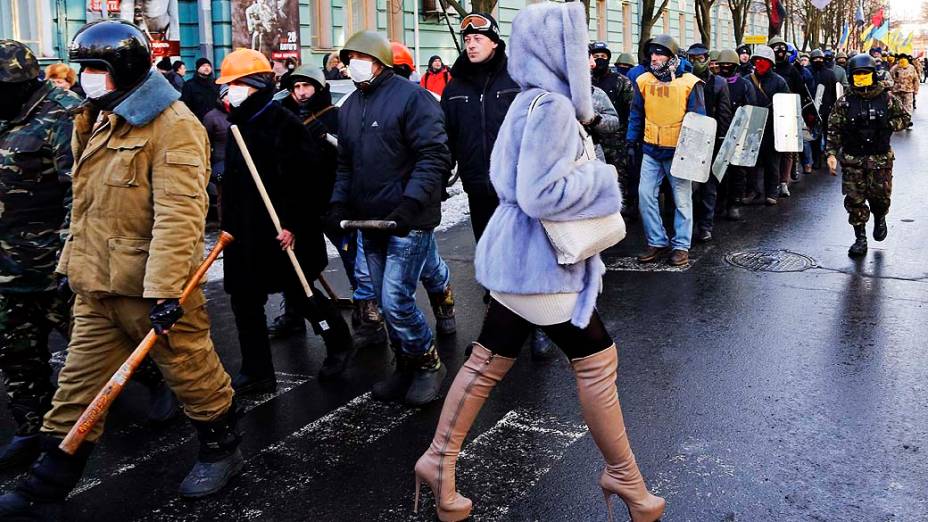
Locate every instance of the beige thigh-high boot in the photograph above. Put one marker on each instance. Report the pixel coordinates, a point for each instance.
(471, 387)
(599, 401)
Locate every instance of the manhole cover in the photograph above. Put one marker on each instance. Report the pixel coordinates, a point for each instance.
(770, 261)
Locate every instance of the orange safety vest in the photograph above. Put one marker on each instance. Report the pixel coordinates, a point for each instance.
(664, 107)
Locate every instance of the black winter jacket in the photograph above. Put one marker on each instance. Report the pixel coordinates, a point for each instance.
(391, 145)
(200, 95)
(718, 103)
(826, 77)
(741, 92)
(765, 87)
(319, 117)
(475, 103)
(285, 157)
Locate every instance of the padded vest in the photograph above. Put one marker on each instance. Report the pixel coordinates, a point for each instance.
(868, 130)
(664, 107)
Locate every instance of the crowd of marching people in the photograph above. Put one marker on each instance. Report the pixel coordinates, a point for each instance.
(567, 140)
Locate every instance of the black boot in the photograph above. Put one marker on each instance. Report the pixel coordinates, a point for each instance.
(339, 348)
(41, 493)
(879, 227)
(244, 384)
(394, 387)
(162, 404)
(443, 308)
(20, 452)
(859, 248)
(368, 324)
(428, 375)
(288, 323)
(542, 347)
(219, 459)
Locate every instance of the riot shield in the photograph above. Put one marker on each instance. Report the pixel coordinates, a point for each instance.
(742, 141)
(819, 96)
(692, 159)
(839, 89)
(787, 122)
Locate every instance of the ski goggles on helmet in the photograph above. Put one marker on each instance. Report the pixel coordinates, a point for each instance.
(477, 22)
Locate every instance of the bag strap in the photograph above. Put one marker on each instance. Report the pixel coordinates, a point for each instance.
(588, 150)
(759, 86)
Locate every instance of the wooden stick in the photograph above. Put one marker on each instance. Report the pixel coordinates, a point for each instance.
(108, 394)
(270, 206)
(370, 224)
(328, 288)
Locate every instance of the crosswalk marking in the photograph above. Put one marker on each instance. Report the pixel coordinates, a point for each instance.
(491, 469)
(169, 440)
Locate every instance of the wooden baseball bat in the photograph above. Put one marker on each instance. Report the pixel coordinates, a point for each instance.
(118, 381)
(270, 207)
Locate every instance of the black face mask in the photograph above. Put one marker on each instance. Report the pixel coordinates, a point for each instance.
(602, 65)
(727, 69)
(818, 66)
(623, 69)
(780, 54)
(13, 97)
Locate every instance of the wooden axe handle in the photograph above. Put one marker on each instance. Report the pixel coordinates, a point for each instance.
(108, 394)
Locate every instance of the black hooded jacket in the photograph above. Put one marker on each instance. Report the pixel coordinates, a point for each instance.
(320, 118)
(475, 103)
(200, 95)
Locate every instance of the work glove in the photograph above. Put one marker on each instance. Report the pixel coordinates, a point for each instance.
(163, 315)
(631, 153)
(338, 212)
(63, 287)
(403, 215)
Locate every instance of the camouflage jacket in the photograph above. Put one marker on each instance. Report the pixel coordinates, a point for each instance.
(35, 189)
(905, 79)
(608, 133)
(839, 121)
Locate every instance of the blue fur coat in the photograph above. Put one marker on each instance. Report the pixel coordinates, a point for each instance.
(533, 166)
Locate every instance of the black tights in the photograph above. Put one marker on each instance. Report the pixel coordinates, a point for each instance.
(504, 333)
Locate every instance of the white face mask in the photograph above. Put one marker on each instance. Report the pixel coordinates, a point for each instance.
(94, 85)
(237, 94)
(361, 70)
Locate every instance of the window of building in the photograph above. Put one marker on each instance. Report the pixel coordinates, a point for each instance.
(320, 23)
(682, 29)
(665, 17)
(30, 22)
(360, 15)
(626, 27)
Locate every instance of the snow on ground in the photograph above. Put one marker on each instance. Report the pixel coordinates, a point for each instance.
(454, 211)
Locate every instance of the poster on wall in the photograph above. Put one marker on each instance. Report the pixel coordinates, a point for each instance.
(269, 26)
(158, 18)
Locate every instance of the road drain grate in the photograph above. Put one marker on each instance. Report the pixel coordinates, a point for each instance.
(770, 261)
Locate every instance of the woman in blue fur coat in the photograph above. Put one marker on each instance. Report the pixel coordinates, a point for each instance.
(534, 171)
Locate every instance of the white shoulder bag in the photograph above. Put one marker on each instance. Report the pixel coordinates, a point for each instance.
(576, 241)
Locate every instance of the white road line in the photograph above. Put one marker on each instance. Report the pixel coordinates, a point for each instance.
(170, 440)
(503, 464)
(289, 467)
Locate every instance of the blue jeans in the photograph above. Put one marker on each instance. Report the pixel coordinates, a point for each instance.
(435, 274)
(807, 153)
(364, 286)
(653, 173)
(395, 265)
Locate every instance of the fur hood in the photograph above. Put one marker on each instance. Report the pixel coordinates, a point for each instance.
(148, 100)
(550, 41)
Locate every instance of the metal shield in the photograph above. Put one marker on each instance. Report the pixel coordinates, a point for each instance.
(787, 122)
(692, 159)
(819, 96)
(839, 89)
(742, 141)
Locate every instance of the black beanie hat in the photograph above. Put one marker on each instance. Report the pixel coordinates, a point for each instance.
(201, 61)
(492, 32)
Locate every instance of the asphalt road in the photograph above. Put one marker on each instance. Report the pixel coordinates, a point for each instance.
(748, 395)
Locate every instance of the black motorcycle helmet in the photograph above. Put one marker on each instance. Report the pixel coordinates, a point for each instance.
(116, 46)
(861, 63)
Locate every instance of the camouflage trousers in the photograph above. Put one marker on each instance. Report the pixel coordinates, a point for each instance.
(863, 186)
(26, 320)
(907, 99)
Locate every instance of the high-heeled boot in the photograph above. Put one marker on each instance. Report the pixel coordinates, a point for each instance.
(471, 387)
(599, 401)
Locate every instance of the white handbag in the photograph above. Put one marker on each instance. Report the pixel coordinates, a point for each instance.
(576, 241)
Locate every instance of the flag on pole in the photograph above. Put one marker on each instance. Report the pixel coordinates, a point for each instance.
(845, 34)
(877, 18)
(865, 34)
(777, 15)
(859, 16)
(821, 4)
(881, 33)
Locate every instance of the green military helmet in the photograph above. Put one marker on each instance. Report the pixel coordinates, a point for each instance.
(626, 59)
(666, 41)
(370, 43)
(841, 54)
(306, 72)
(776, 40)
(714, 56)
(17, 62)
(817, 53)
(728, 56)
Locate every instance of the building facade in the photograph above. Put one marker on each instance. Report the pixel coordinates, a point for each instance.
(206, 27)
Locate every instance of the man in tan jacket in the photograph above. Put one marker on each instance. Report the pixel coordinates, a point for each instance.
(905, 86)
(137, 234)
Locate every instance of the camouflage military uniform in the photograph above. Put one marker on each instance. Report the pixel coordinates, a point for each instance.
(865, 178)
(35, 194)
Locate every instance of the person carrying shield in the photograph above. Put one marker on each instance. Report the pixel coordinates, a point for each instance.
(859, 132)
(662, 97)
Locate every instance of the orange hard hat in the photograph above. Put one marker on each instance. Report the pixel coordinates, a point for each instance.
(241, 63)
(401, 55)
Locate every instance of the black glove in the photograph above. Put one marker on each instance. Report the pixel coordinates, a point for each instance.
(163, 315)
(631, 153)
(63, 287)
(403, 215)
(338, 212)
